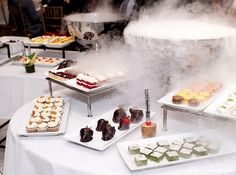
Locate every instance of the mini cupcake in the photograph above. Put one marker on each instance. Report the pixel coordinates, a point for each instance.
(47, 108)
(35, 119)
(58, 109)
(31, 127)
(53, 126)
(42, 126)
(50, 100)
(59, 99)
(58, 120)
(58, 104)
(35, 114)
(41, 99)
(55, 114)
(37, 108)
(48, 104)
(45, 119)
(45, 114)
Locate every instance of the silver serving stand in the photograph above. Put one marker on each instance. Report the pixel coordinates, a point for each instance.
(88, 95)
(202, 114)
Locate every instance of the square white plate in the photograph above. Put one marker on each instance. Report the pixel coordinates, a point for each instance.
(22, 129)
(226, 147)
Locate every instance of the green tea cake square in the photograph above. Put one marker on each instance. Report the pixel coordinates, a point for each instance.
(172, 156)
(200, 151)
(161, 150)
(201, 143)
(134, 149)
(156, 156)
(163, 143)
(140, 159)
(174, 147)
(145, 151)
(151, 146)
(178, 142)
(185, 153)
(213, 148)
(190, 140)
(188, 145)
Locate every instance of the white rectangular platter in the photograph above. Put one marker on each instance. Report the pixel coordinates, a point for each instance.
(212, 108)
(22, 129)
(43, 64)
(226, 147)
(58, 45)
(97, 143)
(167, 100)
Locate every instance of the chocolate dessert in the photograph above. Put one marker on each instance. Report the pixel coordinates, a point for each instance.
(101, 124)
(124, 124)
(108, 133)
(177, 99)
(136, 115)
(86, 134)
(118, 115)
(193, 102)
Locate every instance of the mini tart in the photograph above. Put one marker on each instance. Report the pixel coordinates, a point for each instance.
(58, 104)
(41, 99)
(42, 126)
(59, 99)
(50, 100)
(31, 127)
(53, 126)
(46, 114)
(35, 119)
(35, 114)
(37, 108)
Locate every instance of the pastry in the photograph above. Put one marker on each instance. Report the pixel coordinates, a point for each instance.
(140, 160)
(35, 119)
(172, 156)
(160, 149)
(41, 99)
(108, 133)
(53, 126)
(163, 143)
(156, 156)
(136, 115)
(174, 147)
(31, 127)
(177, 99)
(188, 145)
(190, 140)
(145, 151)
(200, 151)
(118, 115)
(134, 149)
(124, 123)
(86, 134)
(185, 153)
(152, 146)
(42, 126)
(193, 102)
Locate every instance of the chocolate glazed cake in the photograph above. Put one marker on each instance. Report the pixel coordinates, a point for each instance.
(108, 133)
(86, 134)
(118, 115)
(136, 115)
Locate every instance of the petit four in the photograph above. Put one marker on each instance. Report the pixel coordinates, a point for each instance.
(162, 150)
(200, 151)
(174, 147)
(163, 143)
(134, 149)
(31, 127)
(53, 126)
(185, 153)
(156, 156)
(42, 126)
(190, 140)
(213, 148)
(145, 151)
(188, 145)
(140, 160)
(172, 156)
(151, 146)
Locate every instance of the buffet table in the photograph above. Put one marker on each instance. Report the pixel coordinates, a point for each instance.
(55, 156)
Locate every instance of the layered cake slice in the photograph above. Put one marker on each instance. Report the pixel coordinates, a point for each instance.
(86, 81)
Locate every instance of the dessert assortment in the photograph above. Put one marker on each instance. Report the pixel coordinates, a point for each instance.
(107, 129)
(44, 61)
(46, 115)
(50, 40)
(86, 81)
(196, 96)
(175, 149)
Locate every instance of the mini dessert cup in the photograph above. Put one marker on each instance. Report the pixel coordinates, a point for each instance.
(30, 68)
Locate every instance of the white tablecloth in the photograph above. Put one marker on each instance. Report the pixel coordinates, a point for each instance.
(56, 156)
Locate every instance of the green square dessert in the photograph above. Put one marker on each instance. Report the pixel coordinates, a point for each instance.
(151, 146)
(190, 140)
(161, 150)
(174, 147)
(172, 156)
(213, 148)
(156, 156)
(201, 143)
(188, 145)
(200, 151)
(185, 153)
(145, 151)
(163, 143)
(203, 139)
(140, 159)
(134, 149)
(178, 142)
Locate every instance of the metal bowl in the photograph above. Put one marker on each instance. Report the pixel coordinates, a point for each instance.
(89, 27)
